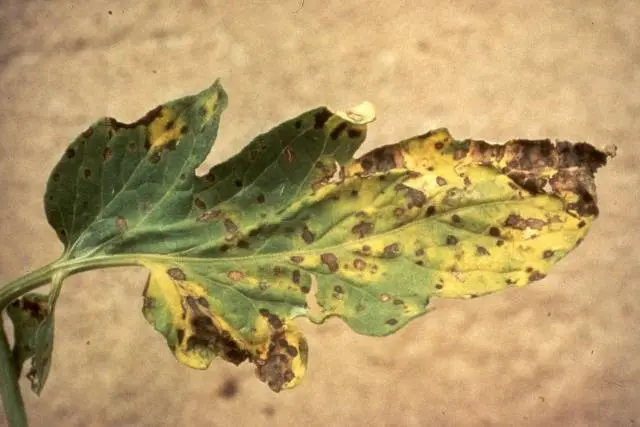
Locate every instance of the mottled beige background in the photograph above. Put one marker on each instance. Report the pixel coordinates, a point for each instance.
(561, 352)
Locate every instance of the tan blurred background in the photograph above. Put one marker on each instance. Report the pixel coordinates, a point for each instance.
(561, 352)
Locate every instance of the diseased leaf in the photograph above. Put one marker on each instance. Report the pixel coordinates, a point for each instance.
(33, 320)
(232, 254)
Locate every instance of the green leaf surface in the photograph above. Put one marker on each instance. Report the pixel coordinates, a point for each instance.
(233, 254)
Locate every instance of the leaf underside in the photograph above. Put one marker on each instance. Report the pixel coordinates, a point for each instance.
(233, 254)
(32, 316)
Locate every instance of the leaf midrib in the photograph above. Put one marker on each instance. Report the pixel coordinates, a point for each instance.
(142, 258)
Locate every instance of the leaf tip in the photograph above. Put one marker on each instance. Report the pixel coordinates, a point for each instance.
(361, 114)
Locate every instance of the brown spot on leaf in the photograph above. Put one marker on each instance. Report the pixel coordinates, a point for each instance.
(70, 153)
(87, 173)
(321, 118)
(206, 336)
(381, 159)
(307, 235)
(481, 251)
(547, 254)
(107, 154)
(295, 277)
(398, 212)
(210, 177)
(238, 183)
(335, 133)
(415, 198)
(391, 251)
(441, 181)
(517, 222)
(362, 229)
(391, 322)
(430, 211)
(296, 259)
(536, 275)
(230, 226)
(466, 181)
(87, 133)
(235, 275)
(354, 133)
(273, 319)
(494, 231)
(456, 219)
(291, 350)
(330, 260)
(439, 145)
(176, 273)
(199, 203)
(500, 242)
(359, 264)
(452, 240)
(419, 252)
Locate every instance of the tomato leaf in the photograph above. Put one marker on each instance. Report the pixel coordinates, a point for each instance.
(233, 254)
(33, 320)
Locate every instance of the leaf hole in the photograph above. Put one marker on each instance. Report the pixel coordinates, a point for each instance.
(313, 307)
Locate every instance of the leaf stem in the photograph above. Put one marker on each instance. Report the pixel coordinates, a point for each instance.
(9, 386)
(26, 283)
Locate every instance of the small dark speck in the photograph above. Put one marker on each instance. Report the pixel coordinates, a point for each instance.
(110, 12)
(228, 389)
(269, 411)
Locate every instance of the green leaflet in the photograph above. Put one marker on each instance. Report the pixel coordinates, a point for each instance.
(232, 254)
(33, 320)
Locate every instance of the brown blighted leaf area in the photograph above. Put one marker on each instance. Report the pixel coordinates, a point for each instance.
(32, 318)
(233, 253)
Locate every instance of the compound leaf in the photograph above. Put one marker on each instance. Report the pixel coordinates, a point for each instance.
(233, 254)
